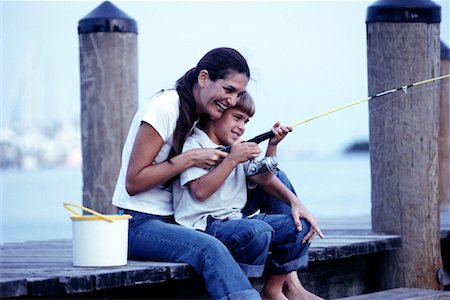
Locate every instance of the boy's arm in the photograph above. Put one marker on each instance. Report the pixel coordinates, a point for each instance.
(203, 187)
(280, 132)
(270, 184)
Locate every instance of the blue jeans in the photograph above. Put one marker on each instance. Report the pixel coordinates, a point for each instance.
(258, 199)
(158, 238)
(251, 239)
(248, 241)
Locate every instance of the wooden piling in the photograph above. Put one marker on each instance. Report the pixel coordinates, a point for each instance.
(444, 131)
(402, 48)
(108, 74)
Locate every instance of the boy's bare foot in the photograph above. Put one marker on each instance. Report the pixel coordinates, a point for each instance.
(265, 295)
(294, 290)
(273, 289)
(303, 295)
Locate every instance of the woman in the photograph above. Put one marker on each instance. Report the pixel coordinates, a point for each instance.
(152, 157)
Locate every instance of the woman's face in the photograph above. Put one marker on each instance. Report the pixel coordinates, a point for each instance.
(215, 97)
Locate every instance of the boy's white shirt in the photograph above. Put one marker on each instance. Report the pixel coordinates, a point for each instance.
(226, 202)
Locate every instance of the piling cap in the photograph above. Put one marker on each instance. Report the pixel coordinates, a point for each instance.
(107, 18)
(409, 11)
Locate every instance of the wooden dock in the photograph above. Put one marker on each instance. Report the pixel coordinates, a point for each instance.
(44, 269)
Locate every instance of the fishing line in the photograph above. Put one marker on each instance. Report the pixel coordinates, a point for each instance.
(401, 95)
(267, 135)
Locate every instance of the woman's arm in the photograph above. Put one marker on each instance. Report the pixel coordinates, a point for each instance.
(203, 187)
(143, 174)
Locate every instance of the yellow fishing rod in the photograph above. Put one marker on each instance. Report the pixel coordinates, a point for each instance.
(267, 135)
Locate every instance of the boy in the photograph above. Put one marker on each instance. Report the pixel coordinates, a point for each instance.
(212, 201)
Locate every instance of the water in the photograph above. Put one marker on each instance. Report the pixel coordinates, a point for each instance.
(31, 201)
(332, 187)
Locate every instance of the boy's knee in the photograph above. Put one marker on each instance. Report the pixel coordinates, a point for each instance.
(305, 224)
(262, 239)
(255, 249)
(257, 236)
(305, 229)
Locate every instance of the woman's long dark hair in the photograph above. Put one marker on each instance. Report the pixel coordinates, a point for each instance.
(219, 63)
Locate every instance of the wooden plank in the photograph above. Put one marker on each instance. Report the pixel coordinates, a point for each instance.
(12, 287)
(403, 293)
(337, 247)
(45, 276)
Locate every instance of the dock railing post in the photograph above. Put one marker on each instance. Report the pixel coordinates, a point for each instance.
(403, 47)
(108, 75)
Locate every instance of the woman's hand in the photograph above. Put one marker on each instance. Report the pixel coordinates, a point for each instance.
(280, 132)
(206, 158)
(299, 211)
(202, 188)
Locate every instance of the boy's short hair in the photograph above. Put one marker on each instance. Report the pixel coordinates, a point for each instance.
(246, 104)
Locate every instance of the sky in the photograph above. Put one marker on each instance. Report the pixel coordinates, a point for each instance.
(305, 57)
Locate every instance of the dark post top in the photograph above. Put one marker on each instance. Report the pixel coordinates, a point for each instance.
(423, 11)
(107, 18)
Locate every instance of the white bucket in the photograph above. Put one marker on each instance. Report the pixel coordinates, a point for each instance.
(99, 240)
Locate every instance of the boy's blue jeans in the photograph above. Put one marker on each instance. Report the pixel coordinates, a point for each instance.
(258, 199)
(251, 239)
(158, 238)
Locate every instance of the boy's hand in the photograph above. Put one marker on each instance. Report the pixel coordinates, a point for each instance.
(299, 211)
(241, 152)
(280, 132)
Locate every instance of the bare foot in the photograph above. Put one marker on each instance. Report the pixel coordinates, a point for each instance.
(273, 289)
(294, 290)
(266, 295)
(302, 295)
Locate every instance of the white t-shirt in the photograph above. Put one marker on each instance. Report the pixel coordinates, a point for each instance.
(226, 202)
(161, 112)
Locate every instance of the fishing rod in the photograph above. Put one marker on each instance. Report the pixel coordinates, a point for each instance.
(267, 135)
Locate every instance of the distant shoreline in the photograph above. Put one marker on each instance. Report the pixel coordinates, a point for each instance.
(358, 147)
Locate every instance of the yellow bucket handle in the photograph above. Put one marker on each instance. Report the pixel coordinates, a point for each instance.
(106, 218)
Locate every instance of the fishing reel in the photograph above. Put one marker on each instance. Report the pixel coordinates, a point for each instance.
(268, 163)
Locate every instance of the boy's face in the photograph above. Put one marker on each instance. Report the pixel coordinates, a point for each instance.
(230, 127)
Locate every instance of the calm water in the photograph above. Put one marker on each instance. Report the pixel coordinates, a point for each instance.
(31, 201)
